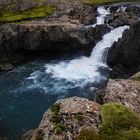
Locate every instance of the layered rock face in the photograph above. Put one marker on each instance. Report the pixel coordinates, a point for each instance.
(67, 118)
(45, 36)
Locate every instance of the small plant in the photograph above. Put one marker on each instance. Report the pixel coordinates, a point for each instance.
(55, 119)
(79, 117)
(58, 130)
(55, 109)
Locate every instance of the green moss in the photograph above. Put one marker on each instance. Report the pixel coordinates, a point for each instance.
(116, 117)
(39, 135)
(59, 128)
(88, 135)
(55, 109)
(55, 119)
(79, 117)
(118, 123)
(36, 12)
(106, 1)
(132, 134)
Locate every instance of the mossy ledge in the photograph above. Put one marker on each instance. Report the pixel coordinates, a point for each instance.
(35, 12)
(119, 123)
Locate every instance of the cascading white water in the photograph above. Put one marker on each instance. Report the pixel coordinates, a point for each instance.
(85, 69)
(102, 13)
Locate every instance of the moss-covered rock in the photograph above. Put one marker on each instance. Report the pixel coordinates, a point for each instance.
(116, 117)
(35, 12)
(88, 135)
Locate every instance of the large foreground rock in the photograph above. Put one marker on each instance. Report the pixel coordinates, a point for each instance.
(76, 114)
(123, 91)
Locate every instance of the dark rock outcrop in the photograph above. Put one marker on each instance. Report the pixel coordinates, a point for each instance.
(76, 114)
(126, 51)
(123, 14)
(123, 91)
(121, 19)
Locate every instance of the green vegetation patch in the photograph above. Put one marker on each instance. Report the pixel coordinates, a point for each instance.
(36, 12)
(118, 123)
(106, 1)
(56, 119)
(87, 135)
(59, 128)
(79, 117)
(55, 109)
(117, 117)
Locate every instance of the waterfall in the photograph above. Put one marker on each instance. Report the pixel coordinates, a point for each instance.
(102, 13)
(98, 54)
(100, 19)
(85, 69)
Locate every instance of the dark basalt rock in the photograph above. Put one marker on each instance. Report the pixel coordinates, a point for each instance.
(120, 19)
(99, 31)
(126, 51)
(61, 37)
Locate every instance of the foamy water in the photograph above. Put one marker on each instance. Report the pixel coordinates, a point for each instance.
(85, 69)
(100, 19)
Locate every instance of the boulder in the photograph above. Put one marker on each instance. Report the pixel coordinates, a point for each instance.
(123, 91)
(67, 118)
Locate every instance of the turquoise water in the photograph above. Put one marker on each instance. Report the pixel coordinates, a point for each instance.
(28, 91)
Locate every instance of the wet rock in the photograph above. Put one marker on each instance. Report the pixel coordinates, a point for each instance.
(123, 91)
(126, 51)
(6, 67)
(75, 114)
(121, 19)
(99, 31)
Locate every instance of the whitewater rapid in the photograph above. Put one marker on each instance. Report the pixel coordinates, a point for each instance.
(101, 15)
(84, 70)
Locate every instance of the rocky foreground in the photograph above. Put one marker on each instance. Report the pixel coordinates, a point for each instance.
(74, 117)
(68, 118)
